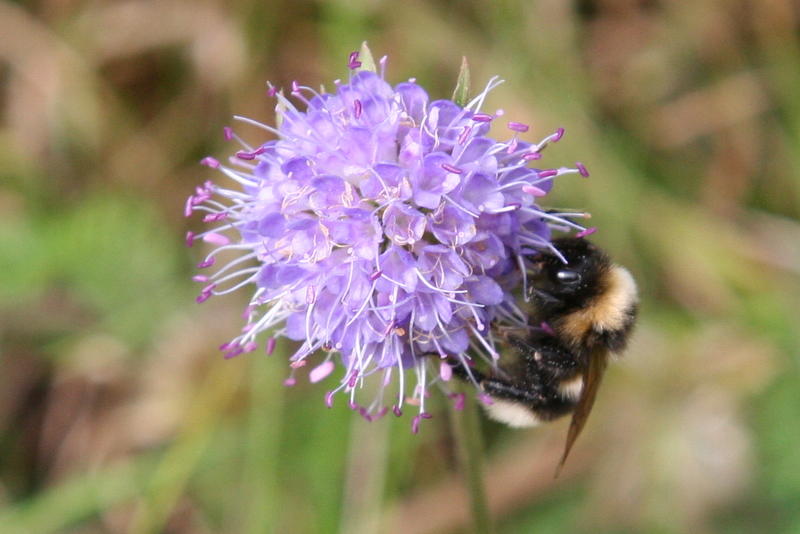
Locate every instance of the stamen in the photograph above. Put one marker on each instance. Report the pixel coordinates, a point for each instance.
(209, 288)
(320, 372)
(311, 295)
(201, 197)
(451, 168)
(233, 353)
(382, 62)
(389, 327)
(462, 138)
(533, 190)
(459, 400)
(512, 146)
(216, 239)
(210, 162)
(415, 424)
(445, 371)
(365, 414)
(214, 217)
(485, 399)
(250, 155)
(189, 207)
(354, 63)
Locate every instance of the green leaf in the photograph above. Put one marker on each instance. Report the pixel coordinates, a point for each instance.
(366, 59)
(461, 94)
(80, 498)
(280, 108)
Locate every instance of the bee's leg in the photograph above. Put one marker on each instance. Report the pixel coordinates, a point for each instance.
(501, 389)
(544, 400)
(522, 346)
(468, 374)
(557, 363)
(547, 361)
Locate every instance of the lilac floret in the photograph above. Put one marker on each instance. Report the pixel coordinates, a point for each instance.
(381, 230)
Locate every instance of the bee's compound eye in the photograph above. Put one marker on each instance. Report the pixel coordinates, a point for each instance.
(568, 277)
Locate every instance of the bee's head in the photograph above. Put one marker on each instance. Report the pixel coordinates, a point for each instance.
(563, 287)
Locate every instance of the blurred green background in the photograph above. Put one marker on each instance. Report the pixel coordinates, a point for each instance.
(117, 413)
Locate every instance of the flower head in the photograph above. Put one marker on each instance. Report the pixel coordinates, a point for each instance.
(382, 230)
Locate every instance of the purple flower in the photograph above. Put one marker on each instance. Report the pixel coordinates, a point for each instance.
(383, 231)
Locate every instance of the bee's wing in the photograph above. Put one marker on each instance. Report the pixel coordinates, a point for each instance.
(592, 376)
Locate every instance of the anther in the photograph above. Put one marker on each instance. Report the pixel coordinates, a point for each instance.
(216, 239)
(533, 190)
(451, 168)
(210, 162)
(208, 263)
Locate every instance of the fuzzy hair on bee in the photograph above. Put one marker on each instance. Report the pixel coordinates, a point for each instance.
(584, 308)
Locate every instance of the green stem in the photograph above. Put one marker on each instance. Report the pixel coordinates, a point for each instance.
(365, 478)
(261, 510)
(469, 442)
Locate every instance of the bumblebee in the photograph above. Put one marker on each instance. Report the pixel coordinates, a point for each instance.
(584, 308)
